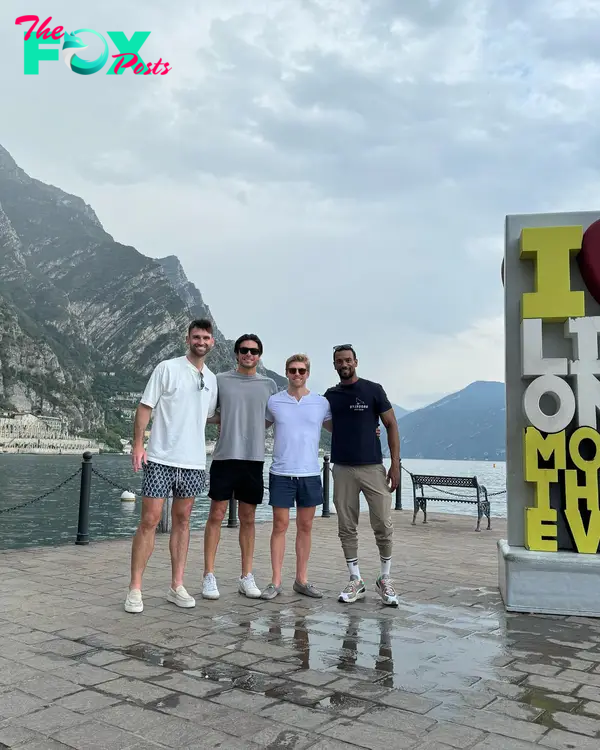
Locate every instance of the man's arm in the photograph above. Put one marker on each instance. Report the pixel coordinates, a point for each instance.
(391, 425)
(150, 398)
(269, 413)
(215, 419)
(328, 425)
(142, 418)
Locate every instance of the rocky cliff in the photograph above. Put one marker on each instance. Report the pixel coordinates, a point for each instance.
(81, 315)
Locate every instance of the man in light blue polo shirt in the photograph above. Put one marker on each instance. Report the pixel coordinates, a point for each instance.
(295, 474)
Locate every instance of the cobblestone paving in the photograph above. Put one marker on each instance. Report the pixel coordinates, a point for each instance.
(446, 669)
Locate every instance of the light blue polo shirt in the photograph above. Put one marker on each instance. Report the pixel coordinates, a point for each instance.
(297, 428)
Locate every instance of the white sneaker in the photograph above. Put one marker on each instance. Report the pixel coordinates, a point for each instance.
(180, 597)
(247, 586)
(209, 587)
(134, 602)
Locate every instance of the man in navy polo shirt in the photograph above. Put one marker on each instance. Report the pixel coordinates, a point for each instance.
(356, 406)
(295, 474)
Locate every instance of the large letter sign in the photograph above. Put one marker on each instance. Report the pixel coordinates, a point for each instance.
(561, 403)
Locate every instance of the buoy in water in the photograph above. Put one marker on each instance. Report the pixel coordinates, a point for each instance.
(128, 497)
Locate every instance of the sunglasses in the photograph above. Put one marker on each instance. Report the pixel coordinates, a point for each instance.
(249, 350)
(200, 381)
(341, 347)
(299, 370)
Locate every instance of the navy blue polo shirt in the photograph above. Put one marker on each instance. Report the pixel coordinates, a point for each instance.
(355, 412)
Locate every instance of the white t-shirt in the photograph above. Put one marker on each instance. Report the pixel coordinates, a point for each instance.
(297, 427)
(179, 413)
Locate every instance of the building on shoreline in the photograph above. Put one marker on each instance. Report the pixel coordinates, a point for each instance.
(28, 433)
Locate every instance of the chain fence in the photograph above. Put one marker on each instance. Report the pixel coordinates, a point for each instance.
(108, 480)
(42, 496)
(138, 493)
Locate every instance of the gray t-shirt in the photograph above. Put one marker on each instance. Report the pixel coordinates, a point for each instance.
(242, 403)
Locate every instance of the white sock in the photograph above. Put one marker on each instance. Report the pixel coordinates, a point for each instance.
(386, 565)
(353, 568)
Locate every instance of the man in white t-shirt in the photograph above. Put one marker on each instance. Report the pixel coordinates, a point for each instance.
(180, 395)
(295, 475)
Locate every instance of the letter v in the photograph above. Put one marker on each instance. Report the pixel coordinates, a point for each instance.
(125, 45)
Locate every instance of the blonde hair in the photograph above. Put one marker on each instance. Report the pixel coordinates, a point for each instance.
(298, 358)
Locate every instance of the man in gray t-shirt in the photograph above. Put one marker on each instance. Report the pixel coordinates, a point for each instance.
(238, 460)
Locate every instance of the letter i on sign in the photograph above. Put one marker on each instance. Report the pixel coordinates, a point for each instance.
(551, 249)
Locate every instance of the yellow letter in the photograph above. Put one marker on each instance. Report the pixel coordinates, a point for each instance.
(540, 520)
(539, 523)
(580, 434)
(551, 248)
(586, 541)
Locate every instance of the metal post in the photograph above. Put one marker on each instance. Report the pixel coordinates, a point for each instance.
(164, 525)
(232, 521)
(83, 526)
(399, 491)
(325, 513)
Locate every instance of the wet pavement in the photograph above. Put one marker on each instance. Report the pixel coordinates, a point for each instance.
(446, 669)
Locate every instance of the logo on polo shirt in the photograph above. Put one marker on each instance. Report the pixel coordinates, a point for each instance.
(359, 405)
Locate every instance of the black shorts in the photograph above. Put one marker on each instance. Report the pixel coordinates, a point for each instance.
(244, 479)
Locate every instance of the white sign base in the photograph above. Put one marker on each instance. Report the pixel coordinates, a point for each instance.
(550, 583)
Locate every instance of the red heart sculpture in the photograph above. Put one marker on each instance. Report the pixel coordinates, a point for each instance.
(588, 259)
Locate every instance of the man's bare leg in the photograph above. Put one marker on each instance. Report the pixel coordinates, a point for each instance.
(304, 521)
(143, 541)
(212, 533)
(179, 541)
(281, 521)
(247, 515)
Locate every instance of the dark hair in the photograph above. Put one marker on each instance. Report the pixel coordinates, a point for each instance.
(203, 323)
(248, 337)
(343, 348)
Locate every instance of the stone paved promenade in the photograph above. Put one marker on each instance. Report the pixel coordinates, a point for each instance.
(447, 669)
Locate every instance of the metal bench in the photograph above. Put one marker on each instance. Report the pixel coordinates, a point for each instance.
(419, 481)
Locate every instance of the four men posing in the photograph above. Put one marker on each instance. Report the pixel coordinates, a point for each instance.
(182, 395)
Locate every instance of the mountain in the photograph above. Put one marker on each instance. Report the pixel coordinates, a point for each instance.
(82, 316)
(400, 412)
(466, 425)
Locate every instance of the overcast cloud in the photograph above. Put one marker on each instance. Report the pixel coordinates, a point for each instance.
(327, 171)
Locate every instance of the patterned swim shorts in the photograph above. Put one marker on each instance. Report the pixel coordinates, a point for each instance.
(160, 480)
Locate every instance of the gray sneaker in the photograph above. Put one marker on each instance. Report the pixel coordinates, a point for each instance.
(271, 591)
(307, 589)
(386, 591)
(355, 590)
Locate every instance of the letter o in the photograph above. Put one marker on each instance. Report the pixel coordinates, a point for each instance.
(585, 433)
(564, 396)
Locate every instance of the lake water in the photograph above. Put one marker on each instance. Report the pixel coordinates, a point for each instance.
(54, 520)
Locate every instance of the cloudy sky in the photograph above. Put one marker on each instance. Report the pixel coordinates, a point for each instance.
(328, 171)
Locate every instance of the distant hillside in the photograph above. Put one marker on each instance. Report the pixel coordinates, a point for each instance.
(466, 425)
(400, 413)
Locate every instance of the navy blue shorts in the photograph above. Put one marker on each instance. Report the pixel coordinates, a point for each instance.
(304, 492)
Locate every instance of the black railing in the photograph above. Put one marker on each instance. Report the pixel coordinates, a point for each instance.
(87, 471)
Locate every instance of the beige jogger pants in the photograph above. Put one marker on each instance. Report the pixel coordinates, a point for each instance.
(348, 482)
